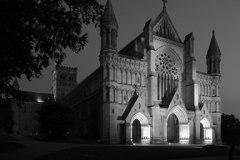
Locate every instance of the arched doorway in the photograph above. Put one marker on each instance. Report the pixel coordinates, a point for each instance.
(173, 129)
(136, 131)
(205, 131)
(139, 129)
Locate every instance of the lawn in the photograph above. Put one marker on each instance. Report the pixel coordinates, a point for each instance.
(137, 152)
(7, 144)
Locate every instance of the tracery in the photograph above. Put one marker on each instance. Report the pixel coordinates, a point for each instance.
(167, 75)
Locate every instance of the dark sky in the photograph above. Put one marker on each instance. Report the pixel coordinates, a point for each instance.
(197, 16)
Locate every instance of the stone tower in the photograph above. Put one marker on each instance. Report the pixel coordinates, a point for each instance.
(64, 79)
(213, 68)
(109, 33)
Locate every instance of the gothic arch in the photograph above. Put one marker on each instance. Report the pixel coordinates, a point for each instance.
(111, 94)
(106, 72)
(124, 76)
(141, 117)
(124, 96)
(120, 96)
(112, 72)
(206, 130)
(116, 95)
(205, 122)
(180, 113)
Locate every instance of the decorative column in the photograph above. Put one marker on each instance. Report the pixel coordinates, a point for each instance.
(128, 133)
(145, 134)
(184, 133)
(162, 86)
(166, 83)
(165, 130)
(208, 135)
(159, 87)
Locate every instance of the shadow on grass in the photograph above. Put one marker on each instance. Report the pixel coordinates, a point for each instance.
(6, 146)
(63, 140)
(135, 152)
(6, 137)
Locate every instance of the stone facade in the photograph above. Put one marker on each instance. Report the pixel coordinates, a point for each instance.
(150, 91)
(64, 79)
(25, 115)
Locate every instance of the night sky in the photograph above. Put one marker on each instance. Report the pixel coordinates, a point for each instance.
(197, 16)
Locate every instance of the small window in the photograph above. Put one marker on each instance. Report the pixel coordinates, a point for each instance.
(112, 111)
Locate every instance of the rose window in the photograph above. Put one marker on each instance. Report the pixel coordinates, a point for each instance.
(165, 65)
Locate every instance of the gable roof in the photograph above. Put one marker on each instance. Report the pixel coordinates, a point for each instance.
(158, 22)
(130, 105)
(15, 83)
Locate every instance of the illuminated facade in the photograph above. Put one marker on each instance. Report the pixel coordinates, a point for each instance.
(150, 91)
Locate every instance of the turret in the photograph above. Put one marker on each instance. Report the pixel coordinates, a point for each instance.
(109, 29)
(213, 57)
(189, 46)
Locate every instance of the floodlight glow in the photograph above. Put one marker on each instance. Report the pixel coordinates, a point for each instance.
(39, 100)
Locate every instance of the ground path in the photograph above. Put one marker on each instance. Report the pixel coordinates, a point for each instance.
(33, 149)
(48, 150)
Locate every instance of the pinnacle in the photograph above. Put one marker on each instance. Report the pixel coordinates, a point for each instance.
(109, 15)
(213, 49)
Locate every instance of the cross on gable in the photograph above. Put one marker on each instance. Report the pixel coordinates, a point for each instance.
(164, 3)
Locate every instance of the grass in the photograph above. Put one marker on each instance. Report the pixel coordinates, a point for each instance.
(136, 152)
(7, 144)
(67, 140)
(6, 137)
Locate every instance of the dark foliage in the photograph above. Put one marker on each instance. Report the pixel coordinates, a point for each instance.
(230, 126)
(33, 32)
(6, 116)
(55, 120)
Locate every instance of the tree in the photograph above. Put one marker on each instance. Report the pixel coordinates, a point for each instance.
(55, 119)
(33, 32)
(6, 116)
(230, 126)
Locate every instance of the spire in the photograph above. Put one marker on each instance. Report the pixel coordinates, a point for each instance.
(109, 29)
(213, 56)
(16, 84)
(213, 49)
(164, 4)
(109, 15)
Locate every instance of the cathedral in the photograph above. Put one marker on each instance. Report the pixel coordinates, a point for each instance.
(149, 91)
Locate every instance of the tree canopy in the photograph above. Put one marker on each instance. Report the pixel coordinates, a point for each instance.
(230, 126)
(34, 32)
(55, 119)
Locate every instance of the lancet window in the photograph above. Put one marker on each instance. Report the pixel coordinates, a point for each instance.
(168, 75)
